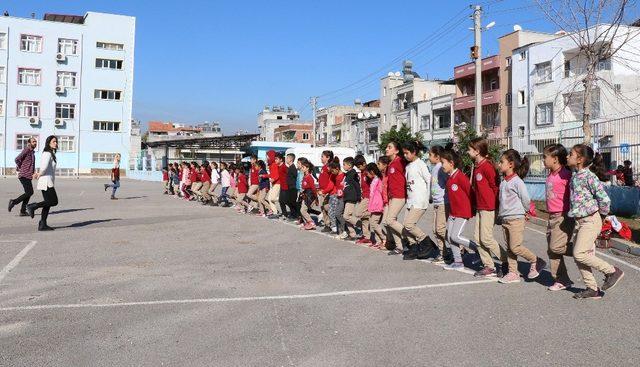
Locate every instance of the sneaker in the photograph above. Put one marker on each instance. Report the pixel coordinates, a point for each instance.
(106, 187)
(11, 204)
(326, 229)
(588, 294)
(558, 286)
(438, 260)
(273, 216)
(536, 268)
(363, 241)
(342, 236)
(309, 226)
(334, 229)
(454, 266)
(611, 280)
(510, 278)
(485, 272)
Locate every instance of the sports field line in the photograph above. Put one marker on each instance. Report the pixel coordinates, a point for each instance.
(16, 260)
(245, 299)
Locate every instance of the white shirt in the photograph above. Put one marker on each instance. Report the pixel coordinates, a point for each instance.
(226, 178)
(215, 176)
(47, 171)
(418, 184)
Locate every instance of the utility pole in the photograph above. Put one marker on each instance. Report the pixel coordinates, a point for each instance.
(476, 54)
(314, 106)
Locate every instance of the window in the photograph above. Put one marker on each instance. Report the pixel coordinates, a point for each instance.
(508, 61)
(22, 140)
(544, 114)
(109, 64)
(442, 118)
(493, 84)
(67, 46)
(66, 79)
(604, 64)
(567, 69)
(65, 111)
(110, 46)
(508, 99)
(543, 71)
(66, 143)
(384, 91)
(103, 157)
(425, 122)
(3, 41)
(523, 55)
(28, 109)
(30, 43)
(522, 101)
(384, 118)
(1, 107)
(112, 95)
(106, 125)
(2, 77)
(574, 101)
(305, 136)
(29, 76)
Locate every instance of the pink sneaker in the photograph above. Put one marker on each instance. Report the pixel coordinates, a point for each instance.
(510, 278)
(310, 226)
(536, 268)
(557, 286)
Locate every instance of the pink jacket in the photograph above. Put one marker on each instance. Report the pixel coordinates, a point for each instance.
(376, 204)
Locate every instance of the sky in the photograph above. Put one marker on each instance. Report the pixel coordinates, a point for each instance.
(225, 60)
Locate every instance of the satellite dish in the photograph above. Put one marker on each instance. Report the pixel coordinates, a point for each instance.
(517, 27)
(397, 73)
(374, 114)
(390, 73)
(360, 115)
(367, 114)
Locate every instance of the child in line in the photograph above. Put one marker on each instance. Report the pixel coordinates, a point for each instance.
(351, 196)
(308, 195)
(205, 177)
(418, 181)
(254, 181)
(376, 204)
(225, 183)
(514, 206)
(165, 179)
(263, 186)
(362, 211)
(440, 202)
(560, 226)
(233, 185)
(274, 160)
(196, 183)
(383, 164)
(325, 184)
(243, 188)
(485, 193)
(589, 203)
(292, 182)
(336, 202)
(186, 181)
(397, 191)
(459, 194)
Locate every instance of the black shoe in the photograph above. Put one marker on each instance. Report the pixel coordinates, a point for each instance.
(588, 294)
(24, 214)
(424, 249)
(106, 187)
(31, 208)
(326, 230)
(611, 280)
(44, 227)
(11, 204)
(410, 255)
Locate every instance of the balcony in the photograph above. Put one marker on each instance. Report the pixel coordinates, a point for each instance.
(462, 71)
(489, 97)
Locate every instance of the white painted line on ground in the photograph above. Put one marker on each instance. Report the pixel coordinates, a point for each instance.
(246, 299)
(16, 260)
(599, 252)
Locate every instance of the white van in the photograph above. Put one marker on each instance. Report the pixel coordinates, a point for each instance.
(314, 154)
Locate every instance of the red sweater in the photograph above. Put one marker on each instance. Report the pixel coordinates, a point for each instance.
(324, 181)
(459, 193)
(485, 190)
(396, 181)
(274, 174)
(282, 173)
(339, 185)
(364, 185)
(308, 183)
(242, 184)
(253, 178)
(193, 176)
(205, 176)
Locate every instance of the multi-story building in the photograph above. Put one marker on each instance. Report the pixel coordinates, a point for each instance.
(69, 76)
(271, 118)
(209, 129)
(158, 130)
(336, 125)
(432, 119)
(549, 93)
(294, 133)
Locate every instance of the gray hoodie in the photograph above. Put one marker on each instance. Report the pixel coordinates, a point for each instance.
(514, 198)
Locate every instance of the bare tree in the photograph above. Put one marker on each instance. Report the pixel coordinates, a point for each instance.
(597, 27)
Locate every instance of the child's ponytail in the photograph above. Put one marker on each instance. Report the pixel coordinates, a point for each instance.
(520, 164)
(594, 161)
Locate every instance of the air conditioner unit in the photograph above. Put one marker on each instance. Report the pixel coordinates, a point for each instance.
(33, 120)
(59, 89)
(60, 56)
(59, 122)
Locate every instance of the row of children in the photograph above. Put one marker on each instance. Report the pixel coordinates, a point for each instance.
(365, 206)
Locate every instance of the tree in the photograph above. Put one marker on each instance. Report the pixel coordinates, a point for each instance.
(464, 133)
(597, 29)
(400, 136)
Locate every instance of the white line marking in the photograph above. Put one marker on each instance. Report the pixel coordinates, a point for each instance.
(16, 260)
(599, 252)
(246, 299)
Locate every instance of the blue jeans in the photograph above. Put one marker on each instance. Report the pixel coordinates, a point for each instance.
(115, 186)
(223, 195)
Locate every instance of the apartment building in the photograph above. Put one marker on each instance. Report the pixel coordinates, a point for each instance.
(69, 76)
(433, 119)
(294, 133)
(273, 117)
(337, 125)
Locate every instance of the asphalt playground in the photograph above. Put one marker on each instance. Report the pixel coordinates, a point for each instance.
(148, 280)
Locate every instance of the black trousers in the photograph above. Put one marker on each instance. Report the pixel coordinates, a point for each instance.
(50, 199)
(283, 200)
(28, 193)
(293, 203)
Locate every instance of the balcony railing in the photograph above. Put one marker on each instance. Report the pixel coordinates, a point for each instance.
(465, 70)
(489, 97)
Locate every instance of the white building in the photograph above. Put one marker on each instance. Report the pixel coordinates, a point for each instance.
(271, 118)
(548, 93)
(337, 125)
(69, 76)
(433, 119)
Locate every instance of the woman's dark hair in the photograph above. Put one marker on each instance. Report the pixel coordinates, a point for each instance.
(414, 146)
(349, 160)
(395, 145)
(520, 164)
(384, 160)
(328, 154)
(232, 166)
(451, 156)
(261, 164)
(436, 150)
(359, 160)
(214, 165)
(335, 164)
(481, 145)
(305, 163)
(373, 168)
(593, 160)
(557, 151)
(223, 165)
(47, 147)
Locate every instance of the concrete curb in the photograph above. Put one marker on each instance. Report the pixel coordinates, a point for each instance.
(617, 243)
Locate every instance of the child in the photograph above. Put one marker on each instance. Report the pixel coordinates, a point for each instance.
(362, 211)
(292, 192)
(225, 182)
(115, 177)
(215, 182)
(485, 192)
(205, 178)
(351, 196)
(418, 181)
(560, 226)
(383, 164)
(263, 186)
(375, 205)
(233, 185)
(589, 202)
(440, 201)
(274, 162)
(254, 180)
(514, 205)
(165, 179)
(186, 181)
(242, 189)
(336, 202)
(325, 184)
(397, 191)
(308, 195)
(459, 194)
(196, 183)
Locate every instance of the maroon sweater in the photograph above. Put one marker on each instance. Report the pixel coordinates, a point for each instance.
(26, 163)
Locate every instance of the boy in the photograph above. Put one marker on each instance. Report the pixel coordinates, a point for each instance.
(362, 213)
(165, 179)
(274, 177)
(242, 189)
(351, 197)
(254, 181)
(292, 181)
